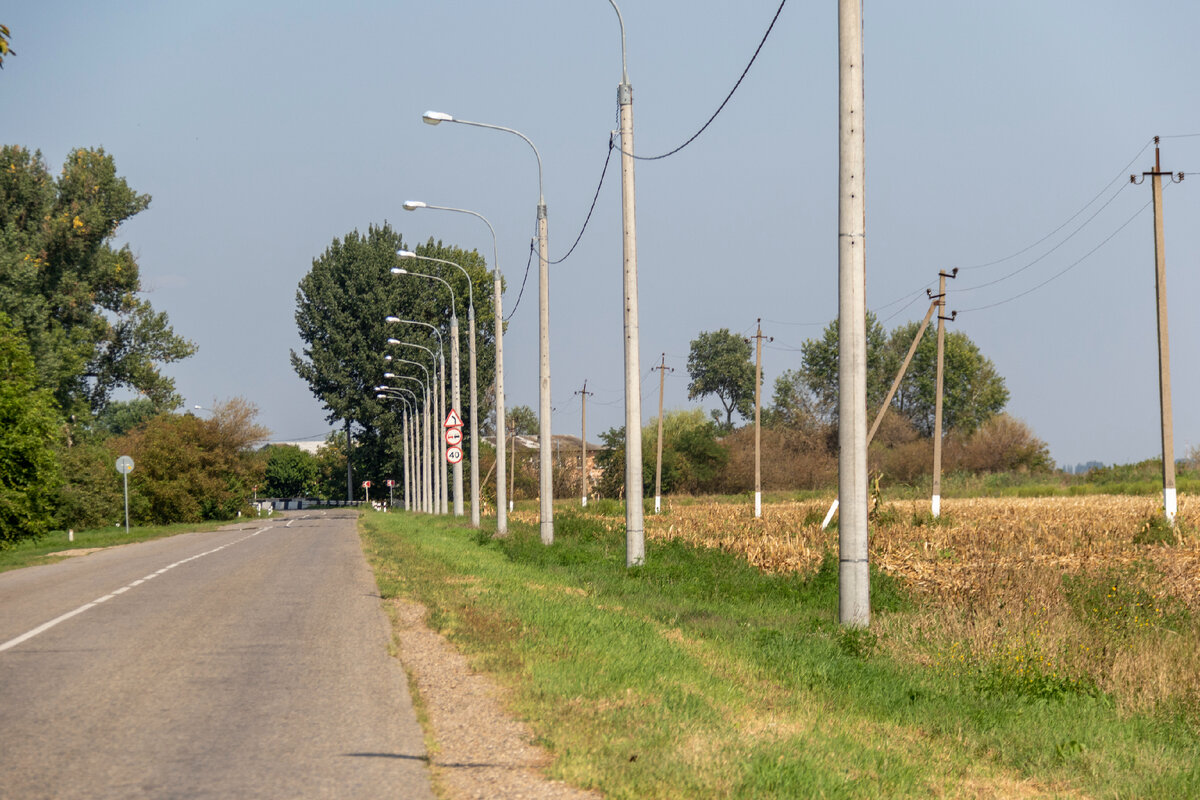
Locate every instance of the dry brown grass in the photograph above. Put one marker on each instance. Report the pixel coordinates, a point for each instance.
(1054, 592)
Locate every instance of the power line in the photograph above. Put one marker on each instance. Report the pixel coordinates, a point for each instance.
(596, 196)
(1074, 264)
(724, 102)
(521, 293)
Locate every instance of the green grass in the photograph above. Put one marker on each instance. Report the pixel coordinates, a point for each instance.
(697, 676)
(30, 553)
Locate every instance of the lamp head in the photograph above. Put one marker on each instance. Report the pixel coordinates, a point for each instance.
(405, 254)
(388, 357)
(413, 205)
(434, 117)
(393, 341)
(388, 375)
(399, 271)
(390, 318)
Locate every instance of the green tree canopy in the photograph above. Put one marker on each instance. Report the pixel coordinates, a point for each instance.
(522, 421)
(973, 390)
(71, 293)
(720, 363)
(290, 472)
(29, 473)
(341, 306)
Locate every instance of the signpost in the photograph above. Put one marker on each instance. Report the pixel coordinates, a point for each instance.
(454, 437)
(367, 485)
(125, 466)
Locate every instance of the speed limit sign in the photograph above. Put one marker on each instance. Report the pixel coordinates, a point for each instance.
(454, 454)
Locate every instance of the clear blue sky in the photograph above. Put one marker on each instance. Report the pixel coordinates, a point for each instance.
(265, 129)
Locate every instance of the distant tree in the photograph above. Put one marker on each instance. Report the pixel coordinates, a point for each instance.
(521, 421)
(120, 417)
(189, 469)
(692, 456)
(71, 293)
(973, 391)
(793, 404)
(91, 495)
(819, 367)
(720, 364)
(341, 305)
(290, 472)
(29, 473)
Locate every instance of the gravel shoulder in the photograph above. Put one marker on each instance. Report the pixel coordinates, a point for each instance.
(478, 750)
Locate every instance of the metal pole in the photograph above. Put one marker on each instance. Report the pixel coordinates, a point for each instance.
(439, 430)
(854, 605)
(501, 510)
(936, 508)
(125, 475)
(583, 463)
(545, 439)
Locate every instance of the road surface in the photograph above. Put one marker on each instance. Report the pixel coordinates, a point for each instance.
(248, 663)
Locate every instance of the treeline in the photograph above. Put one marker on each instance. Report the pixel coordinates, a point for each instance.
(76, 332)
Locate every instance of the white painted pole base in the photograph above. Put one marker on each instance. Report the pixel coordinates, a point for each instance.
(510, 506)
(70, 535)
(757, 505)
(585, 501)
(829, 516)
(1170, 505)
(657, 504)
(936, 506)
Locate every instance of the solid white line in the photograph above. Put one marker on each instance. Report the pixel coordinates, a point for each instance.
(48, 625)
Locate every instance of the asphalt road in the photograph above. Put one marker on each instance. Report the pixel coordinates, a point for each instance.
(250, 663)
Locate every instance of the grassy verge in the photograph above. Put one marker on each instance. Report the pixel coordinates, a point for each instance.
(696, 676)
(44, 550)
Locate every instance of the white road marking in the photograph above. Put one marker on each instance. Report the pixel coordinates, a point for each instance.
(48, 625)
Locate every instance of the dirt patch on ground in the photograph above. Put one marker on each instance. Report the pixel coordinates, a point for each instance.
(479, 751)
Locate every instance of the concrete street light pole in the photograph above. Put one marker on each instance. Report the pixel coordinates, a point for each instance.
(456, 394)
(410, 205)
(854, 605)
(440, 406)
(635, 543)
(546, 476)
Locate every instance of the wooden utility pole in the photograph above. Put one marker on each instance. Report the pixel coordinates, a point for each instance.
(663, 369)
(758, 337)
(583, 462)
(936, 505)
(1170, 503)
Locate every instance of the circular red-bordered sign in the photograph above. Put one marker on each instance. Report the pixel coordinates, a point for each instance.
(454, 455)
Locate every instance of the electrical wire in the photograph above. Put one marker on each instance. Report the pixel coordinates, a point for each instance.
(521, 293)
(724, 102)
(595, 197)
(1120, 177)
(1074, 264)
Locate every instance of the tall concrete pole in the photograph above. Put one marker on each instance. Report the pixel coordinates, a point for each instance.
(939, 390)
(662, 383)
(456, 392)
(635, 543)
(757, 422)
(583, 462)
(444, 466)
(854, 603)
(545, 438)
(1170, 502)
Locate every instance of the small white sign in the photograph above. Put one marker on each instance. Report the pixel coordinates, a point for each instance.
(124, 465)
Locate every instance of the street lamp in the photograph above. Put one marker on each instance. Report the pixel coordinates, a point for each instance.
(501, 512)
(384, 393)
(635, 544)
(412, 441)
(439, 489)
(454, 374)
(427, 385)
(439, 397)
(545, 466)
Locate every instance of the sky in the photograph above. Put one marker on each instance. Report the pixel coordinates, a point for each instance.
(999, 139)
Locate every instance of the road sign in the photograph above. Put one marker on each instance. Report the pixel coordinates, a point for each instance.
(366, 484)
(454, 454)
(454, 436)
(124, 465)
(453, 420)
(390, 483)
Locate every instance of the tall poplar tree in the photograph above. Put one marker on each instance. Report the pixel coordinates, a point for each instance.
(341, 305)
(72, 294)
